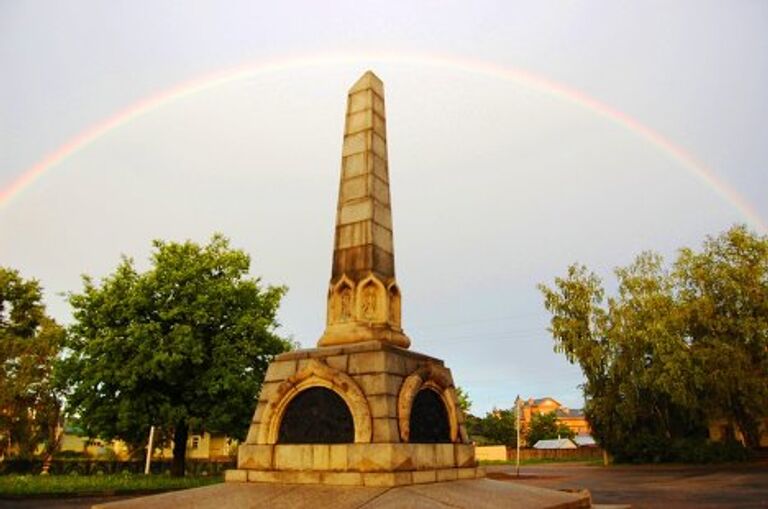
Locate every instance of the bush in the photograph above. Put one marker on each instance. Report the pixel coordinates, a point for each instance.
(649, 448)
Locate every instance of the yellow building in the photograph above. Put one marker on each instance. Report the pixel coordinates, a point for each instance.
(719, 431)
(572, 417)
(199, 446)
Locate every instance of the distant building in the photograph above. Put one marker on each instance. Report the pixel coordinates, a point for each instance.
(721, 429)
(216, 446)
(555, 443)
(572, 417)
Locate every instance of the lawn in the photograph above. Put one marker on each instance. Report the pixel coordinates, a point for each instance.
(44, 485)
(540, 461)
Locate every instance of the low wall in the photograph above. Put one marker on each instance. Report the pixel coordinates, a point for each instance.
(503, 453)
(99, 467)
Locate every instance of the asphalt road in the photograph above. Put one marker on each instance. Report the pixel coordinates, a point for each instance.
(670, 487)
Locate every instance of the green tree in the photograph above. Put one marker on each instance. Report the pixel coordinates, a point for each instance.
(499, 426)
(184, 344)
(546, 426)
(723, 298)
(672, 347)
(463, 400)
(29, 343)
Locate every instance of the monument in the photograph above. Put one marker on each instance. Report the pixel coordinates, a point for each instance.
(359, 421)
(360, 409)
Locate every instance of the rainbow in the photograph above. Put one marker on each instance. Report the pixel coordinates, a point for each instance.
(248, 70)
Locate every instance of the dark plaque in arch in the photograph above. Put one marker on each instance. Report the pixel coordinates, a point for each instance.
(429, 419)
(316, 416)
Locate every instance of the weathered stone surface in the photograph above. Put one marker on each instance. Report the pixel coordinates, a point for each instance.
(280, 370)
(258, 457)
(387, 478)
(363, 245)
(424, 476)
(233, 475)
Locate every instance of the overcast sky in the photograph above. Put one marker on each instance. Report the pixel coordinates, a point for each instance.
(497, 185)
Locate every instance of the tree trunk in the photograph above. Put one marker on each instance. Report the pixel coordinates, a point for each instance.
(180, 434)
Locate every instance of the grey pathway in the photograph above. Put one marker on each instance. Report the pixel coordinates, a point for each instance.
(743, 486)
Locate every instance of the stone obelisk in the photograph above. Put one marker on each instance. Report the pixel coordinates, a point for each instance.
(360, 409)
(363, 296)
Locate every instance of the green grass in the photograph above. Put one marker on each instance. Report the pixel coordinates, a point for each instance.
(542, 461)
(74, 485)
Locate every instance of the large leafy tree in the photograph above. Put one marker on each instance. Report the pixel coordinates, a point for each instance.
(672, 348)
(185, 343)
(29, 343)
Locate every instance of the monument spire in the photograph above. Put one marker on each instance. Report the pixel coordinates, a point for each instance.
(363, 297)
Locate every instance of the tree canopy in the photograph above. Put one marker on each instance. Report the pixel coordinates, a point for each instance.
(185, 343)
(29, 343)
(499, 426)
(674, 348)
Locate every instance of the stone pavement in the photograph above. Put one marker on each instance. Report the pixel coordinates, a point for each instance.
(475, 494)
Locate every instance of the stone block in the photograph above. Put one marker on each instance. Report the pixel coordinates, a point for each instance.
(354, 165)
(424, 476)
(466, 473)
(386, 478)
(385, 431)
(379, 383)
(337, 459)
(379, 125)
(379, 188)
(424, 456)
(264, 476)
(444, 455)
(355, 144)
(302, 477)
(280, 370)
(252, 456)
(232, 475)
(383, 405)
(380, 168)
(342, 478)
(464, 455)
(338, 362)
(376, 362)
(355, 212)
(253, 434)
(382, 237)
(293, 457)
(321, 456)
(353, 234)
(360, 121)
(378, 105)
(447, 474)
(353, 188)
(268, 391)
(378, 145)
(360, 101)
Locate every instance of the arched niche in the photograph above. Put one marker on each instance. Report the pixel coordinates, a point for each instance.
(394, 305)
(316, 374)
(371, 301)
(436, 379)
(341, 307)
(316, 415)
(428, 422)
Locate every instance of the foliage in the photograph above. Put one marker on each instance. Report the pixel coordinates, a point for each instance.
(29, 342)
(546, 426)
(497, 427)
(184, 344)
(673, 348)
(463, 400)
(31, 485)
